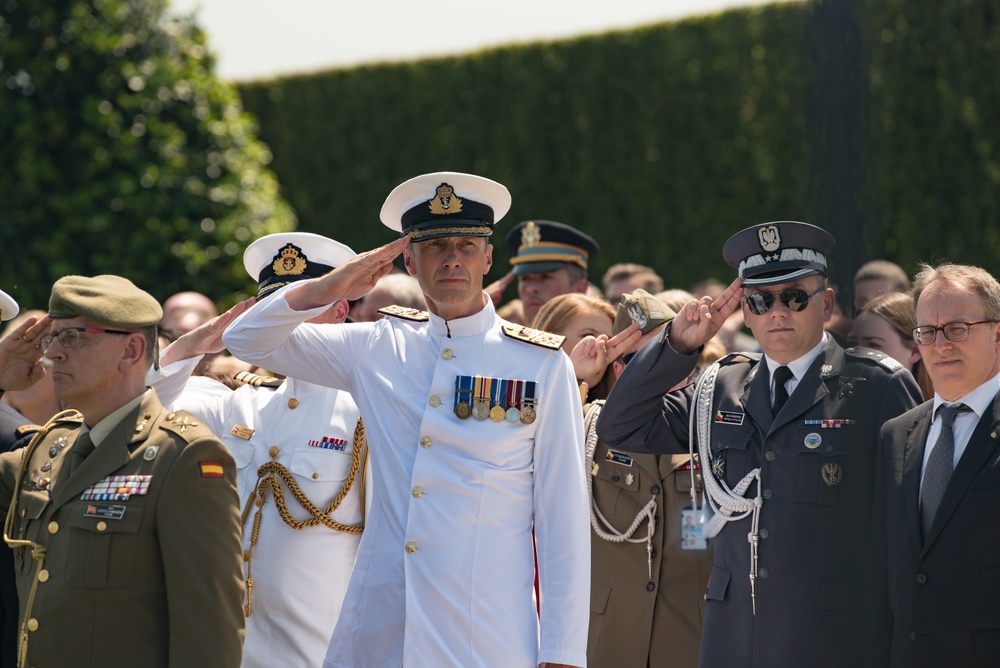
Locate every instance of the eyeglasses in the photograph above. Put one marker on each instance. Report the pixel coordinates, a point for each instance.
(953, 331)
(70, 336)
(796, 299)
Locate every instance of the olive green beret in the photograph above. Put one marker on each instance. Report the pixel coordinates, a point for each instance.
(642, 308)
(108, 300)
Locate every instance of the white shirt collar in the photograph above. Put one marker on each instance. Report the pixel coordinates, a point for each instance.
(799, 366)
(472, 325)
(979, 400)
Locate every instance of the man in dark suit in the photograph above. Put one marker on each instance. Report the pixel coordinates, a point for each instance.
(937, 538)
(792, 435)
(122, 515)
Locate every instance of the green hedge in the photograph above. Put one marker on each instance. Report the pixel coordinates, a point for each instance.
(876, 120)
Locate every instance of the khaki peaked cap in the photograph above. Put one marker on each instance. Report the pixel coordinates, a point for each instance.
(108, 300)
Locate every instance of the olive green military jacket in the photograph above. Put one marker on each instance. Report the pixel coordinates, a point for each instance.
(641, 614)
(141, 545)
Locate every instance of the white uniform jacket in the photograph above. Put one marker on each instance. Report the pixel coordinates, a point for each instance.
(444, 575)
(300, 575)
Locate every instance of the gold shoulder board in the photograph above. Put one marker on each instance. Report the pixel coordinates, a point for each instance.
(534, 336)
(27, 429)
(247, 378)
(413, 314)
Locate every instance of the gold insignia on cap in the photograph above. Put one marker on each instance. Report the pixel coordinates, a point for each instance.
(770, 240)
(531, 234)
(534, 336)
(445, 202)
(288, 262)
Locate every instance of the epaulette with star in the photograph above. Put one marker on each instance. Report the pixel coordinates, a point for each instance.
(534, 336)
(247, 378)
(180, 422)
(886, 361)
(414, 314)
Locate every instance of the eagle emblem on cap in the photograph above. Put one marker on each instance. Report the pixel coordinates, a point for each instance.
(770, 240)
(445, 202)
(289, 261)
(531, 234)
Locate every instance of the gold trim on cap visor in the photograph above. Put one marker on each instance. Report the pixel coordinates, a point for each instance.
(449, 232)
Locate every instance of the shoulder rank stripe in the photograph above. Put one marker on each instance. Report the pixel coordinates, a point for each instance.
(211, 469)
(534, 336)
(247, 378)
(414, 314)
(27, 429)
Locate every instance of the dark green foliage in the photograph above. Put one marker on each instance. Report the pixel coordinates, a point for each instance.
(659, 142)
(122, 153)
(874, 119)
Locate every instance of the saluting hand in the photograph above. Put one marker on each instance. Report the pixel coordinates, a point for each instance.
(206, 338)
(496, 288)
(351, 280)
(20, 352)
(700, 319)
(592, 355)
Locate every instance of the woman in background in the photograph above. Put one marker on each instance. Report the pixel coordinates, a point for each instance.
(886, 324)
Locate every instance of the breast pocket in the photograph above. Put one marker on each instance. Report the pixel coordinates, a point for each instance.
(104, 548)
(317, 465)
(616, 490)
(242, 452)
(730, 445)
(820, 459)
(31, 505)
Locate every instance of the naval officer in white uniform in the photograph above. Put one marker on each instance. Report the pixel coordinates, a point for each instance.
(474, 426)
(304, 439)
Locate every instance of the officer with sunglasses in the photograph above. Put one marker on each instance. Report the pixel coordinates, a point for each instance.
(788, 442)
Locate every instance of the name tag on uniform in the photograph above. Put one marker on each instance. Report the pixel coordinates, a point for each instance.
(729, 417)
(239, 431)
(618, 458)
(108, 512)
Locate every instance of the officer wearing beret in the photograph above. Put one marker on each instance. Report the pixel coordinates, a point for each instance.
(474, 426)
(550, 259)
(301, 467)
(122, 515)
(792, 435)
(648, 571)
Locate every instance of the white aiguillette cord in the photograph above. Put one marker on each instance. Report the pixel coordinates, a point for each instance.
(728, 505)
(602, 527)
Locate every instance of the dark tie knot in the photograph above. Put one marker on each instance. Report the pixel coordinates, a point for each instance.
(782, 375)
(948, 412)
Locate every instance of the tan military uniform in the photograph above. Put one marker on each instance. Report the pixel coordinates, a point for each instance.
(638, 620)
(141, 544)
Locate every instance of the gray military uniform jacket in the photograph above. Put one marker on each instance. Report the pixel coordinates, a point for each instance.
(816, 484)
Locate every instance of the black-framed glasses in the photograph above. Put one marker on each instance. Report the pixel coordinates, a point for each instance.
(70, 336)
(953, 331)
(796, 299)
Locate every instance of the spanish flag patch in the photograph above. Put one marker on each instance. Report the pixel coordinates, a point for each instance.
(211, 469)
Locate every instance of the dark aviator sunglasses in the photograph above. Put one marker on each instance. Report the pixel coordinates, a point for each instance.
(796, 299)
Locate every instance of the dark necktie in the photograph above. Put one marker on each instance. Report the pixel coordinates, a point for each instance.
(82, 447)
(940, 465)
(781, 376)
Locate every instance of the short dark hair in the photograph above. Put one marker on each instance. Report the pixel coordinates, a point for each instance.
(883, 269)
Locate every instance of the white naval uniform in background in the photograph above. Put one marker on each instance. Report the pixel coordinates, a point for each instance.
(300, 575)
(462, 494)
